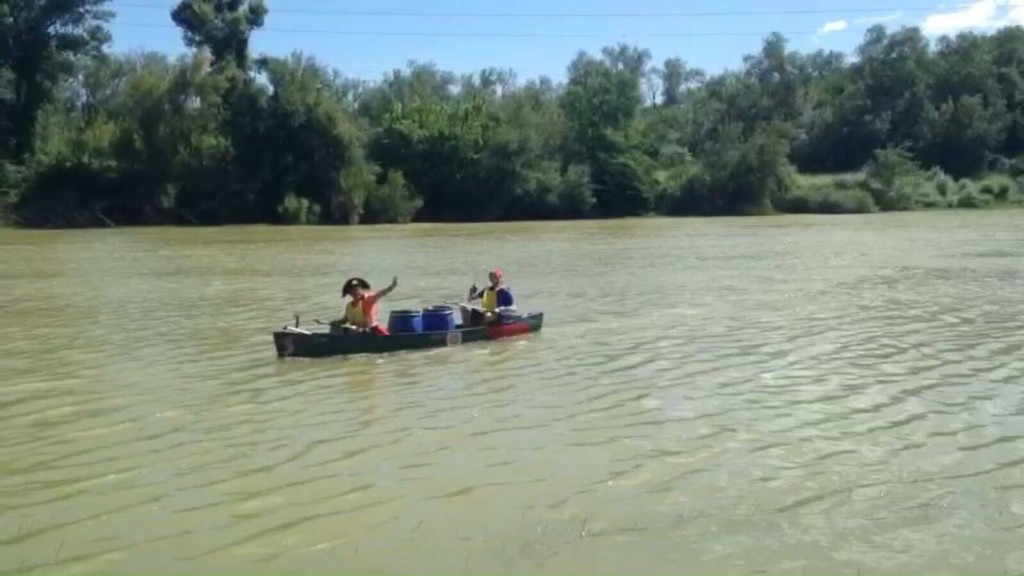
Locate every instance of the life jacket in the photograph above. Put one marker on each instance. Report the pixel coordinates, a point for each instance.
(362, 312)
(489, 302)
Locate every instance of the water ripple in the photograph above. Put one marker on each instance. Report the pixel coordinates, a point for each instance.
(778, 394)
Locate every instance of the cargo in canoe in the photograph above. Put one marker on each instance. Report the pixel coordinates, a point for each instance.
(297, 343)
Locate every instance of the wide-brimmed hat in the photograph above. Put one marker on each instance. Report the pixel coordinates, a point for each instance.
(353, 283)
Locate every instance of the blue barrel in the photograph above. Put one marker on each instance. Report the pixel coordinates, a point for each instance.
(405, 322)
(438, 319)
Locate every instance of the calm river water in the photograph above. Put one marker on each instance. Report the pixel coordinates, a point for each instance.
(826, 394)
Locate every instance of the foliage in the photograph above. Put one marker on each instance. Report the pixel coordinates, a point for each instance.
(220, 135)
(40, 41)
(221, 26)
(298, 210)
(393, 201)
(829, 194)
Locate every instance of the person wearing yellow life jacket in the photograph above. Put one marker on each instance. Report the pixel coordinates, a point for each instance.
(494, 300)
(361, 311)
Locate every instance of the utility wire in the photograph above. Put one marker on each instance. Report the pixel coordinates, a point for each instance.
(389, 14)
(486, 34)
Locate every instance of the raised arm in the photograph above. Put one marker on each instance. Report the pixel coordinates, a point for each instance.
(389, 289)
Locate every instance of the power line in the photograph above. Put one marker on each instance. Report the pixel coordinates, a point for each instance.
(486, 34)
(395, 14)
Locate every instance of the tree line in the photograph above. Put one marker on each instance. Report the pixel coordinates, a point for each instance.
(219, 135)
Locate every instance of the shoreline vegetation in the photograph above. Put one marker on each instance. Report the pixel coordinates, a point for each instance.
(92, 138)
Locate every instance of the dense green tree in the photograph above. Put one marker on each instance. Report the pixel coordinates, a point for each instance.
(676, 78)
(221, 136)
(601, 102)
(40, 41)
(221, 26)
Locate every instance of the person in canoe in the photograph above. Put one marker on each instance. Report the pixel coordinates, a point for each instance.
(361, 311)
(494, 300)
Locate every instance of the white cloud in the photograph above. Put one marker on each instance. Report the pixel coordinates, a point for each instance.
(977, 15)
(834, 26)
(881, 18)
(840, 25)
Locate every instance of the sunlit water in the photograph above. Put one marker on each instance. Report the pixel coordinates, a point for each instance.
(830, 394)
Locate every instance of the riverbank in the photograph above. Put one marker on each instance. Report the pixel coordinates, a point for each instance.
(847, 193)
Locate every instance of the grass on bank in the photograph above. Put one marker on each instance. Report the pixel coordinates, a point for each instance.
(863, 192)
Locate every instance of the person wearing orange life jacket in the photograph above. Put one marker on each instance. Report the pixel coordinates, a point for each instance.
(494, 300)
(361, 311)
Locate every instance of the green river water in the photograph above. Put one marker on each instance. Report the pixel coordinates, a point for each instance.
(778, 394)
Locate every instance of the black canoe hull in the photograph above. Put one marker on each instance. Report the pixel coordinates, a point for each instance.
(323, 344)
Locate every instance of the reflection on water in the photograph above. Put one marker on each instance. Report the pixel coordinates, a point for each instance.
(777, 394)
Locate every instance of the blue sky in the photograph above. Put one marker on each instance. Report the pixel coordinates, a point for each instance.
(365, 38)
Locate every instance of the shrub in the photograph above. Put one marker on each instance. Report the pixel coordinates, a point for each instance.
(832, 201)
(829, 194)
(968, 196)
(998, 187)
(393, 201)
(298, 210)
(11, 182)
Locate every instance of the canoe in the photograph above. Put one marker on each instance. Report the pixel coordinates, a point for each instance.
(298, 343)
